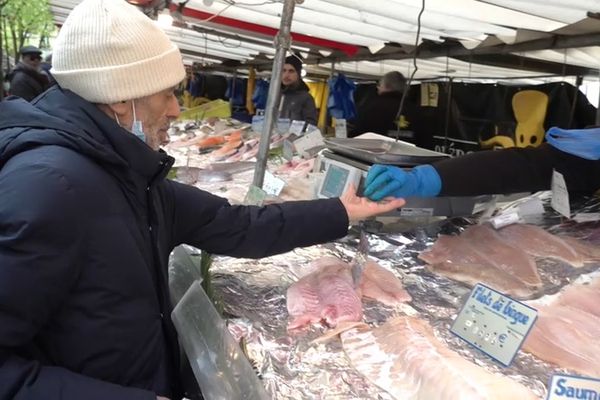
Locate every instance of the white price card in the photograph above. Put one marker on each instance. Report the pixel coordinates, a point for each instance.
(341, 128)
(272, 185)
(309, 141)
(297, 127)
(502, 220)
(288, 149)
(560, 195)
(494, 323)
(255, 196)
(573, 387)
(311, 128)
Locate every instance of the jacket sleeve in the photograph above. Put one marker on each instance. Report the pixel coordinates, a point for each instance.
(40, 239)
(309, 111)
(211, 223)
(516, 170)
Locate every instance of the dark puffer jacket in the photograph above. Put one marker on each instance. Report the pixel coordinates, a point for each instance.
(298, 104)
(26, 82)
(87, 222)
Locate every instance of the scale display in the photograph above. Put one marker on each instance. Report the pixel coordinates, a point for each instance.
(338, 177)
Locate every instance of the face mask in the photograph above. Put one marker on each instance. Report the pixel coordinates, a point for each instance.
(136, 127)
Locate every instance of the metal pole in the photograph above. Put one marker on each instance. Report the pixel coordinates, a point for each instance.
(282, 42)
(598, 109)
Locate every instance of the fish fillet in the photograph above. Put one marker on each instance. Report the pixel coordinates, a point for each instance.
(537, 242)
(458, 259)
(404, 358)
(328, 294)
(566, 337)
(508, 258)
(582, 297)
(382, 285)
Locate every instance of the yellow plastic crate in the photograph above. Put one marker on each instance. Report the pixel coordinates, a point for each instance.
(215, 108)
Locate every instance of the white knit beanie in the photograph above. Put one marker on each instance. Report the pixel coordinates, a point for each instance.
(108, 51)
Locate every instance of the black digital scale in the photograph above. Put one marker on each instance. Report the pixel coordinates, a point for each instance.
(346, 161)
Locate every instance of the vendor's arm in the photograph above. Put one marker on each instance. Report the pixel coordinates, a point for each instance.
(211, 223)
(38, 267)
(515, 170)
(486, 172)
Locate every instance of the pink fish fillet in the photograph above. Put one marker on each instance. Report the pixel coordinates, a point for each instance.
(404, 358)
(326, 295)
(566, 337)
(537, 242)
(582, 297)
(504, 256)
(382, 285)
(458, 259)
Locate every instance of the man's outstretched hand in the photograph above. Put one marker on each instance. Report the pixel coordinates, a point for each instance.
(359, 208)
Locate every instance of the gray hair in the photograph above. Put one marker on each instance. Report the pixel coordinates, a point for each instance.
(393, 81)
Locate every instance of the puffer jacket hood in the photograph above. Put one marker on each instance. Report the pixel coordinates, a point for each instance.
(62, 118)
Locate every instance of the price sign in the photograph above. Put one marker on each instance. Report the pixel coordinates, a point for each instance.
(560, 195)
(494, 323)
(272, 185)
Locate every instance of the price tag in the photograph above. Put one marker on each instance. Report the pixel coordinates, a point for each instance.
(560, 195)
(573, 387)
(494, 323)
(309, 141)
(255, 196)
(297, 127)
(586, 217)
(341, 128)
(502, 220)
(311, 128)
(288, 150)
(416, 212)
(272, 185)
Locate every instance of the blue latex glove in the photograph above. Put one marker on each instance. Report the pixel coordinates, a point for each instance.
(386, 180)
(584, 143)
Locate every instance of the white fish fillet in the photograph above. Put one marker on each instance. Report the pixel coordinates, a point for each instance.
(459, 259)
(404, 358)
(537, 242)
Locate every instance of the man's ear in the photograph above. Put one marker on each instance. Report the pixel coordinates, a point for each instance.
(121, 109)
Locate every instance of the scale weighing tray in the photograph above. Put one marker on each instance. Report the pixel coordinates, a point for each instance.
(377, 151)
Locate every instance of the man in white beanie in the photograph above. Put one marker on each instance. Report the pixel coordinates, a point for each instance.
(88, 220)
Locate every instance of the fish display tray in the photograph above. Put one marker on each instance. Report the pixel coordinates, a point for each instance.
(376, 151)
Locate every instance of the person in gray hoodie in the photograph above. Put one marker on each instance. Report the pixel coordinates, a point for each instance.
(296, 101)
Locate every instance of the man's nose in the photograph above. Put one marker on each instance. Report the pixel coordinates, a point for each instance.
(173, 109)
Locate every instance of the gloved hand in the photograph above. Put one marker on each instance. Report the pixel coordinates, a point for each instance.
(386, 180)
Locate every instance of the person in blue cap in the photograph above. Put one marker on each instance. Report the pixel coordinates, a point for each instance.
(26, 79)
(573, 153)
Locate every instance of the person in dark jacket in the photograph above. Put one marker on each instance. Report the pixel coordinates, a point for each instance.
(88, 220)
(296, 101)
(379, 114)
(26, 79)
(573, 153)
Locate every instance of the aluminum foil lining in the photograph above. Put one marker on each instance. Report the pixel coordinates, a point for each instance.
(253, 293)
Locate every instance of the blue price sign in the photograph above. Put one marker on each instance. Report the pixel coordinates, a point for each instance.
(494, 323)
